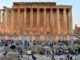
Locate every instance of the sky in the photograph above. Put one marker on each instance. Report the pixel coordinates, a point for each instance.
(75, 7)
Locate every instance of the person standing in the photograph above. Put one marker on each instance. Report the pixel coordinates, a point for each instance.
(20, 51)
(52, 57)
(68, 57)
(71, 58)
(33, 57)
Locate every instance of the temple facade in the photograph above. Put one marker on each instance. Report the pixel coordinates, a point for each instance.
(36, 21)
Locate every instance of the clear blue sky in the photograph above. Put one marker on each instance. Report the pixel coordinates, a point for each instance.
(75, 6)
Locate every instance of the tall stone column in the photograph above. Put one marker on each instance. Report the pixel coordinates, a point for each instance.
(44, 20)
(51, 23)
(25, 17)
(58, 23)
(70, 20)
(3, 21)
(0, 20)
(18, 26)
(12, 20)
(6, 20)
(38, 18)
(51, 20)
(0, 16)
(65, 20)
(31, 20)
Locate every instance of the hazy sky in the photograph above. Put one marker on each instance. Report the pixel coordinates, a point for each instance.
(75, 6)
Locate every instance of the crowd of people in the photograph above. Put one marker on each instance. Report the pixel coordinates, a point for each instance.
(51, 51)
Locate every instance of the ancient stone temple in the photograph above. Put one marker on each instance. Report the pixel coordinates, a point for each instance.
(36, 21)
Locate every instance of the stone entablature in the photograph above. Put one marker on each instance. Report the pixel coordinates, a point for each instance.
(39, 5)
(16, 4)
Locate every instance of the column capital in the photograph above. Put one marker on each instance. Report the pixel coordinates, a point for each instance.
(45, 8)
(38, 9)
(64, 8)
(57, 8)
(31, 8)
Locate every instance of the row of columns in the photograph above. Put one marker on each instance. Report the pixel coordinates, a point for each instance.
(38, 19)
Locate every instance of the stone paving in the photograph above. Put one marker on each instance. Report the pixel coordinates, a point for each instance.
(14, 56)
